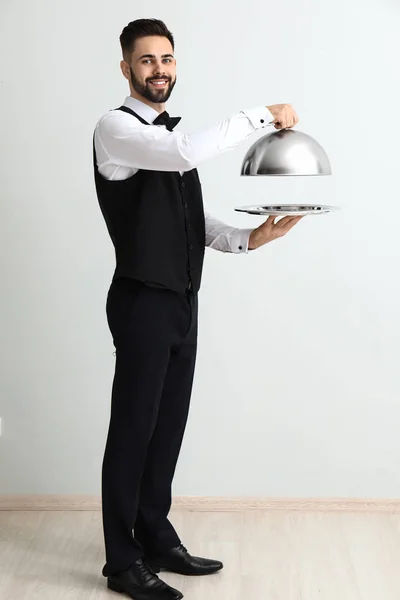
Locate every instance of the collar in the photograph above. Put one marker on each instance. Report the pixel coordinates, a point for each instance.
(144, 110)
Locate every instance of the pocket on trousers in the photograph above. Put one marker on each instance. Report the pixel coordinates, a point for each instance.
(121, 301)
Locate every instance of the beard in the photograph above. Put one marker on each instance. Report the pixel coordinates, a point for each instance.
(150, 93)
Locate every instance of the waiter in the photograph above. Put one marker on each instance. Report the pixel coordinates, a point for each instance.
(150, 196)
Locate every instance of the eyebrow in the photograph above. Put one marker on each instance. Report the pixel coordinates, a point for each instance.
(154, 56)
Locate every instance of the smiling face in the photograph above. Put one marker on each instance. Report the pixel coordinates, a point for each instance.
(152, 71)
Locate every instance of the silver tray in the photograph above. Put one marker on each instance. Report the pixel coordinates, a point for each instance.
(292, 210)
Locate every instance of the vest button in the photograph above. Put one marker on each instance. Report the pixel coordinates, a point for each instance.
(185, 205)
(183, 184)
(190, 247)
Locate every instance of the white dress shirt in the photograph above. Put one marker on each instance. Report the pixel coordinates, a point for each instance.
(124, 145)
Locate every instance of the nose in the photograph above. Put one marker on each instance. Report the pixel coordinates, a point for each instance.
(159, 68)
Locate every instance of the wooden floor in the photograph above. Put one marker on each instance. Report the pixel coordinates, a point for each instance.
(267, 555)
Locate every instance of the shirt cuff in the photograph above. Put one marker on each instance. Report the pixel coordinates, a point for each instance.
(239, 241)
(259, 117)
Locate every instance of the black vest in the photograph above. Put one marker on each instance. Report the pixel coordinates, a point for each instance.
(156, 222)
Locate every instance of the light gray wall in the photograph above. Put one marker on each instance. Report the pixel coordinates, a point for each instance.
(297, 389)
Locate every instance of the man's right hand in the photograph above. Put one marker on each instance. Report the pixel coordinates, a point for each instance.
(284, 115)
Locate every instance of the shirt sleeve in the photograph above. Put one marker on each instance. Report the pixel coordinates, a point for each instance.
(126, 142)
(224, 238)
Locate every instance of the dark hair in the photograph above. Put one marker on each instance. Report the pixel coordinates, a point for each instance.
(142, 28)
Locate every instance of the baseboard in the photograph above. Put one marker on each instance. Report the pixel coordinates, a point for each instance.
(207, 503)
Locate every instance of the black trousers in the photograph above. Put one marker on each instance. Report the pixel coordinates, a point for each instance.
(155, 336)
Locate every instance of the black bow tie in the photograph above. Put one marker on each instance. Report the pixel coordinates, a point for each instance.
(165, 119)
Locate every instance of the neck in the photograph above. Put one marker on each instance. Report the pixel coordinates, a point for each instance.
(159, 107)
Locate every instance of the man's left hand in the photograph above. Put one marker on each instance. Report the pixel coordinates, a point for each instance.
(269, 231)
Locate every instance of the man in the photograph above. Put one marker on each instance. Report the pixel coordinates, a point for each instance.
(150, 196)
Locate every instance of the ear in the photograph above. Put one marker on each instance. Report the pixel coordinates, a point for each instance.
(125, 69)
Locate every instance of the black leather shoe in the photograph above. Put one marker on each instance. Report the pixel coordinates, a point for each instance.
(178, 560)
(141, 583)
